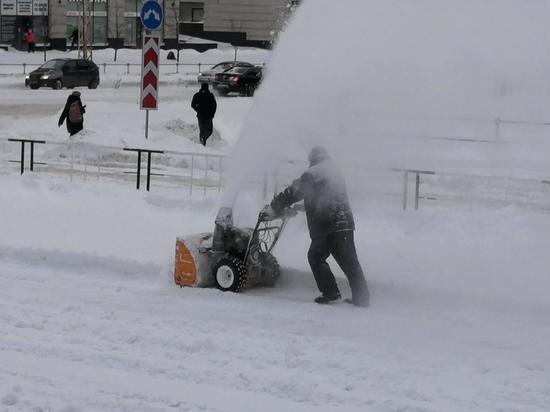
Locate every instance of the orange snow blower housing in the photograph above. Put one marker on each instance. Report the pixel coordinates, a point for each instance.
(232, 258)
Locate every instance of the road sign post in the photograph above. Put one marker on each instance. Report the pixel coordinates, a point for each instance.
(151, 18)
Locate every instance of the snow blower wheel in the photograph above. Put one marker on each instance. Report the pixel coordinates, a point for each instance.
(230, 274)
(271, 272)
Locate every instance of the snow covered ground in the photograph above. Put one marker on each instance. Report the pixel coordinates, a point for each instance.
(91, 320)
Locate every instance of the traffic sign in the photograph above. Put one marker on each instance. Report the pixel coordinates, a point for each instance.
(151, 15)
(150, 72)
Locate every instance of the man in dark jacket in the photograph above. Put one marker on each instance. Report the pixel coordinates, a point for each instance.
(204, 104)
(73, 113)
(74, 38)
(331, 225)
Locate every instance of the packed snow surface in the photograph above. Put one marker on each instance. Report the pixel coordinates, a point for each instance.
(91, 320)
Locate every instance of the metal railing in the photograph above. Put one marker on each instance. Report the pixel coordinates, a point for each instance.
(201, 172)
(25, 67)
(204, 173)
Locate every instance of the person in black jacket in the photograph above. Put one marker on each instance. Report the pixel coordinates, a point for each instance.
(205, 105)
(73, 113)
(74, 38)
(331, 225)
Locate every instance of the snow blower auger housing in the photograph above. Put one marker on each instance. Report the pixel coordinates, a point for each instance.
(232, 258)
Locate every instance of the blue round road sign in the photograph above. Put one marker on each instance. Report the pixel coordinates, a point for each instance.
(151, 15)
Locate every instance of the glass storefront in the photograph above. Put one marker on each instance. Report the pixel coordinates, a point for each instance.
(126, 29)
(131, 23)
(17, 16)
(98, 11)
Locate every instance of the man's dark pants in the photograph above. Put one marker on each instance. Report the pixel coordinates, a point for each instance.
(342, 247)
(205, 128)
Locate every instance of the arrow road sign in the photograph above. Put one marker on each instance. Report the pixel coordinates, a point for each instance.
(150, 56)
(151, 15)
(150, 73)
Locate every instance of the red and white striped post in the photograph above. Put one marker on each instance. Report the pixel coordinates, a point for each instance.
(149, 75)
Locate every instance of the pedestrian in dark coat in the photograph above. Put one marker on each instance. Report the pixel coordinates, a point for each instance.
(73, 114)
(74, 38)
(205, 105)
(331, 225)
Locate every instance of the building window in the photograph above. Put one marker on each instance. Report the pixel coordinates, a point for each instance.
(131, 20)
(17, 16)
(197, 15)
(98, 23)
(191, 12)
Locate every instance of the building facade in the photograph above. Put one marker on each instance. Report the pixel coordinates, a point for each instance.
(240, 22)
(116, 23)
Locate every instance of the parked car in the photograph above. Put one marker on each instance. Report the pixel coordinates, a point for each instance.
(243, 80)
(207, 76)
(58, 73)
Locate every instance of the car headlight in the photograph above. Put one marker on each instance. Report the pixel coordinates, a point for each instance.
(45, 77)
(200, 74)
(27, 77)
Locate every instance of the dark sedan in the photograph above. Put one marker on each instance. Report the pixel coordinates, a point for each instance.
(59, 73)
(242, 80)
(207, 76)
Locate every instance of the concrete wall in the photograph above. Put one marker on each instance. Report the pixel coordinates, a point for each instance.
(115, 14)
(257, 18)
(171, 13)
(58, 24)
(186, 11)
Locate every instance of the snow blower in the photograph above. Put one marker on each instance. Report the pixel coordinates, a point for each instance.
(232, 258)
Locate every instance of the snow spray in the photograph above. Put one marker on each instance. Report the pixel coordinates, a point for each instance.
(379, 83)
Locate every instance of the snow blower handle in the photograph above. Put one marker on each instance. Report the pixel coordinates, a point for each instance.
(267, 213)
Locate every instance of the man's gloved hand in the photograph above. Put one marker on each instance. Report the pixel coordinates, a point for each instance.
(267, 213)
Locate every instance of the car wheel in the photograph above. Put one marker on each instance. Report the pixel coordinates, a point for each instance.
(92, 84)
(57, 85)
(222, 92)
(249, 90)
(34, 87)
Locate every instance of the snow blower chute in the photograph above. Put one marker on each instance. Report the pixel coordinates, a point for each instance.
(232, 258)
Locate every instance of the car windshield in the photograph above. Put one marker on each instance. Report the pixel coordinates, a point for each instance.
(222, 66)
(239, 70)
(52, 64)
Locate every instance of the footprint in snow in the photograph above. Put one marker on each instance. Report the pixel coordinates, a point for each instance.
(9, 400)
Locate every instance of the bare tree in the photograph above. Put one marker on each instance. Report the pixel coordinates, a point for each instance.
(116, 30)
(84, 36)
(176, 10)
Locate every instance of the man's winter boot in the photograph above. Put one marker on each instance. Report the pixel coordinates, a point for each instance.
(324, 299)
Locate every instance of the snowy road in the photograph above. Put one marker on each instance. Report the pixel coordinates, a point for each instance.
(87, 334)
(92, 321)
